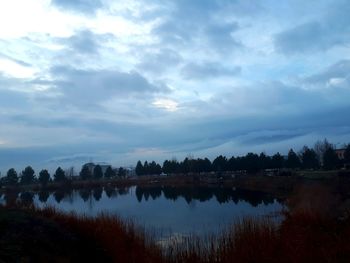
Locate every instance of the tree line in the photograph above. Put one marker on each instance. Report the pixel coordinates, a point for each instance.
(321, 156)
(28, 176)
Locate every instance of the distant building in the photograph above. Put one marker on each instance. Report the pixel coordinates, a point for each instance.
(340, 153)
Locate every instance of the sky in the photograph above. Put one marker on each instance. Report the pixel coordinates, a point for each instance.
(117, 81)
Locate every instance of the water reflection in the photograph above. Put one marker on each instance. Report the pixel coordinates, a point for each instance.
(175, 210)
(203, 194)
(27, 198)
(43, 196)
(144, 194)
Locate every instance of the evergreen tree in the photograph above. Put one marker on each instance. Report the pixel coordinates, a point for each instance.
(28, 176)
(277, 161)
(139, 168)
(98, 174)
(85, 173)
(146, 168)
(12, 177)
(309, 159)
(44, 177)
(59, 175)
(293, 160)
(330, 159)
(252, 163)
(219, 164)
(109, 172)
(264, 161)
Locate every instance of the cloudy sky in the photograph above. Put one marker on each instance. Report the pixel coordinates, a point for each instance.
(118, 81)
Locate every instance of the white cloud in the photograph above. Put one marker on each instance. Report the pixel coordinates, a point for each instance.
(166, 104)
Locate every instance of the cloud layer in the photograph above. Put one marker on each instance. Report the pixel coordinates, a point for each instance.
(117, 82)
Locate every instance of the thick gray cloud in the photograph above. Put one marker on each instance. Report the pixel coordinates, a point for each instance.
(317, 35)
(337, 74)
(90, 86)
(219, 36)
(159, 61)
(81, 6)
(208, 70)
(189, 21)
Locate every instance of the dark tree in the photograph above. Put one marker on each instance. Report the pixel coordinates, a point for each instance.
(85, 173)
(139, 168)
(232, 164)
(330, 159)
(205, 165)
(166, 167)
(171, 166)
(98, 174)
(219, 164)
(28, 176)
(309, 158)
(347, 154)
(277, 161)
(12, 177)
(293, 160)
(44, 177)
(121, 172)
(252, 163)
(185, 166)
(154, 168)
(146, 168)
(264, 161)
(59, 175)
(109, 172)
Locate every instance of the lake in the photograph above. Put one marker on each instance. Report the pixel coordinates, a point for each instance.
(168, 210)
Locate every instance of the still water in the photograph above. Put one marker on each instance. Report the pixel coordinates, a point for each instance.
(172, 210)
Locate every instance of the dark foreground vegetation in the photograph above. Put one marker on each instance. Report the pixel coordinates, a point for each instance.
(313, 229)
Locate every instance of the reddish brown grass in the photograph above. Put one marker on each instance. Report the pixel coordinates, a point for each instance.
(303, 236)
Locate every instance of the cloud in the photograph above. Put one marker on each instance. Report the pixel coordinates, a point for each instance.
(337, 75)
(195, 22)
(90, 86)
(12, 100)
(333, 29)
(106, 78)
(159, 61)
(81, 6)
(18, 61)
(86, 42)
(208, 70)
(220, 37)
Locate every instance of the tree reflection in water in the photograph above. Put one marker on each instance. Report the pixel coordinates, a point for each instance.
(43, 196)
(203, 194)
(147, 193)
